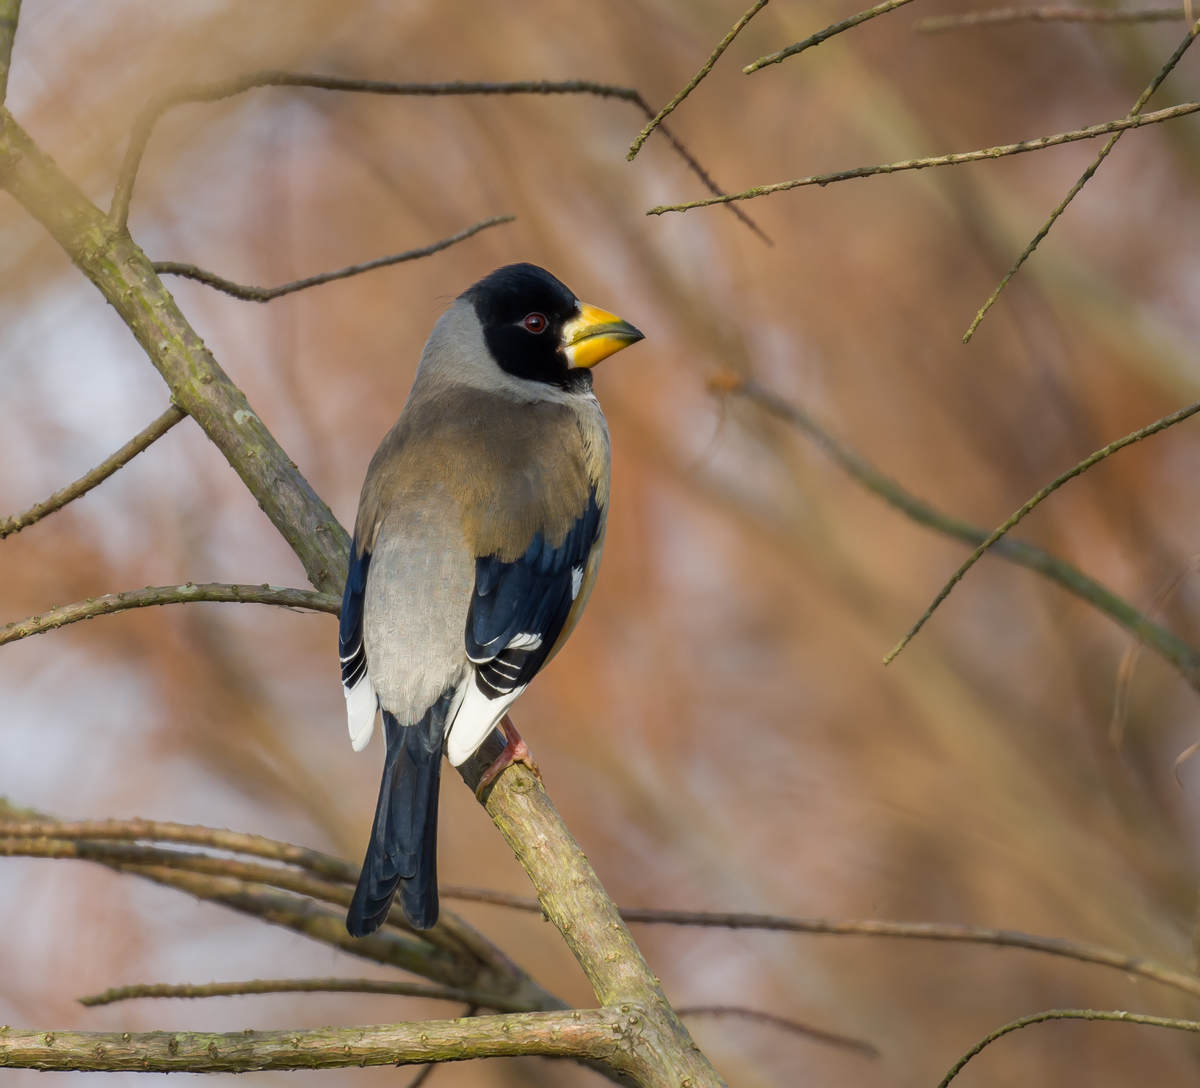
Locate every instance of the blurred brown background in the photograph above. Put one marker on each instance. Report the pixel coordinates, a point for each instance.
(720, 732)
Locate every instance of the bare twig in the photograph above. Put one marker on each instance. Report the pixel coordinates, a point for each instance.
(10, 13)
(154, 595)
(1134, 114)
(1031, 504)
(259, 986)
(118, 213)
(824, 35)
(820, 1035)
(1067, 1014)
(617, 1037)
(266, 294)
(933, 24)
(694, 82)
(957, 159)
(1174, 650)
(919, 931)
(90, 479)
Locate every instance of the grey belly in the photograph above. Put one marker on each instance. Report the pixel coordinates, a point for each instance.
(418, 592)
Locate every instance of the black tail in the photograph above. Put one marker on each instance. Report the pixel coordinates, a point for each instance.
(402, 853)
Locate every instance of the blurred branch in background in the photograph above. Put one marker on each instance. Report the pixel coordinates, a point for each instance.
(266, 294)
(90, 479)
(1143, 625)
(187, 593)
(143, 126)
(934, 24)
(10, 12)
(1174, 650)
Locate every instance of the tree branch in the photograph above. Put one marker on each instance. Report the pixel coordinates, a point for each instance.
(1001, 150)
(266, 294)
(820, 1035)
(1084, 178)
(143, 126)
(694, 82)
(1182, 656)
(154, 595)
(10, 13)
(615, 1036)
(934, 24)
(101, 472)
(1030, 505)
(259, 986)
(1067, 1014)
(824, 35)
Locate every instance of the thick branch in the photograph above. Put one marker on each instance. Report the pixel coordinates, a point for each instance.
(955, 159)
(90, 479)
(111, 260)
(614, 1036)
(266, 294)
(154, 595)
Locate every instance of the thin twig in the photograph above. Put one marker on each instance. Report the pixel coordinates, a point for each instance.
(934, 24)
(824, 35)
(833, 1038)
(1134, 114)
(10, 13)
(101, 472)
(259, 986)
(266, 294)
(143, 125)
(694, 82)
(1183, 981)
(997, 152)
(153, 595)
(1174, 650)
(1033, 503)
(1067, 1014)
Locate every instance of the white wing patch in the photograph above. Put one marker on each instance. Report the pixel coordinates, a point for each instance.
(524, 641)
(576, 582)
(361, 705)
(476, 717)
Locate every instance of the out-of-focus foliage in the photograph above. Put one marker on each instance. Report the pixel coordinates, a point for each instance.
(719, 733)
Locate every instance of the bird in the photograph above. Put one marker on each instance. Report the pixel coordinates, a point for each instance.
(478, 535)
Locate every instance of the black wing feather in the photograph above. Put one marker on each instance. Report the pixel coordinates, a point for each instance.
(350, 630)
(531, 596)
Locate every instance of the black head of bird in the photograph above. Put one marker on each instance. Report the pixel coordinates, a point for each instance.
(477, 540)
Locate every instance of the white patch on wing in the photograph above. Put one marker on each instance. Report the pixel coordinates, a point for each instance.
(476, 717)
(361, 704)
(576, 581)
(525, 640)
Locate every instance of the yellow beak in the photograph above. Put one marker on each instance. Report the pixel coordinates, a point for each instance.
(594, 335)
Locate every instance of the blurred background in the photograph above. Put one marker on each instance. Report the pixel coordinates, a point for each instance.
(720, 732)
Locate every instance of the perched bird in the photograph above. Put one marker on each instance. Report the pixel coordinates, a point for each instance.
(475, 548)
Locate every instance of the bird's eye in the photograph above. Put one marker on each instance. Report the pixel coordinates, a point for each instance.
(534, 322)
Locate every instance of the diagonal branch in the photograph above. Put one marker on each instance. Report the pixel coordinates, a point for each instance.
(140, 441)
(1033, 503)
(266, 294)
(694, 82)
(824, 35)
(956, 159)
(143, 126)
(820, 1035)
(10, 13)
(109, 603)
(1174, 650)
(1084, 178)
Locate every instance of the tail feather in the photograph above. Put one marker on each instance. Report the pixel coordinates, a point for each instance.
(402, 853)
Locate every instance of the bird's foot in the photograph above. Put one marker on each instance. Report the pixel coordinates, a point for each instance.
(515, 751)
